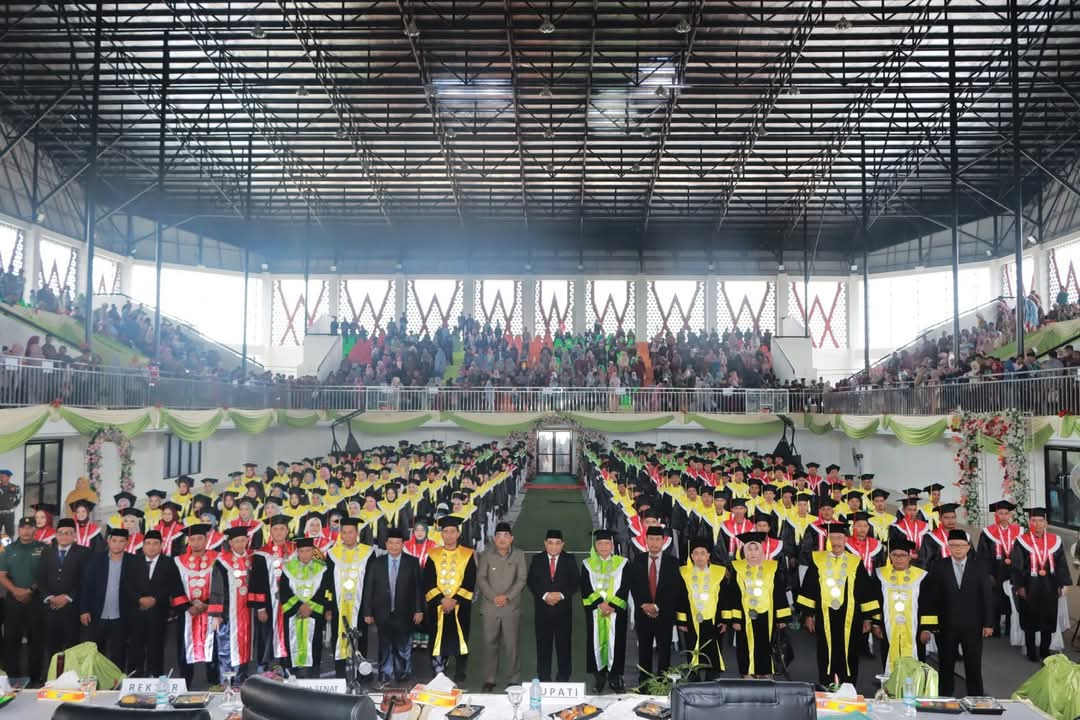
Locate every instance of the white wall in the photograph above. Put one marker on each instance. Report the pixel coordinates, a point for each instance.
(224, 451)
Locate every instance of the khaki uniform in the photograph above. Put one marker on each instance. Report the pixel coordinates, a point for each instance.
(501, 575)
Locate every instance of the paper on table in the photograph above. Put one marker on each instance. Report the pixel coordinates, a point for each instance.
(68, 681)
(440, 683)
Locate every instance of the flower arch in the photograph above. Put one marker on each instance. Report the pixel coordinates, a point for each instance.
(1005, 435)
(113, 434)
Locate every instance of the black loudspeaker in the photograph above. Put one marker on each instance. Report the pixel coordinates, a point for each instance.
(743, 700)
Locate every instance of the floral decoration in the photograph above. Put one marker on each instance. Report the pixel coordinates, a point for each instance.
(113, 434)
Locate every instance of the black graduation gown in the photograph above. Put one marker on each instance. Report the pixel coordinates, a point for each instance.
(838, 648)
(1038, 609)
(757, 631)
(999, 561)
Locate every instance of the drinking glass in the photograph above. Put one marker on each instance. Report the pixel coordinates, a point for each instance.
(515, 694)
(231, 701)
(88, 684)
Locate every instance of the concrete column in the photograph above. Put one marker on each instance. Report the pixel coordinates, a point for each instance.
(854, 296)
(1041, 259)
(31, 259)
(401, 292)
(127, 265)
(710, 303)
(641, 309)
(333, 295)
(468, 301)
(265, 337)
(997, 289)
(578, 325)
(80, 276)
(528, 305)
(785, 324)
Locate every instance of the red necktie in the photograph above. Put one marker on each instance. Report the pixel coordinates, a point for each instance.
(652, 578)
(551, 563)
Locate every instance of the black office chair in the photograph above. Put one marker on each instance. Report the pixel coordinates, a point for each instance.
(78, 711)
(265, 699)
(738, 699)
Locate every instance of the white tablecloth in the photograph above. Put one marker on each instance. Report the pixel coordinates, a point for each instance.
(496, 707)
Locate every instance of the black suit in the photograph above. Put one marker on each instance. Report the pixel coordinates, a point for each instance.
(553, 623)
(395, 626)
(962, 614)
(146, 628)
(670, 588)
(109, 635)
(56, 579)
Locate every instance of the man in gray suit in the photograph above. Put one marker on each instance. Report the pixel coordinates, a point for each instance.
(500, 579)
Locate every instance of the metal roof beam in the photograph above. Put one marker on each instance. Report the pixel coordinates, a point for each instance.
(517, 115)
(698, 9)
(321, 59)
(408, 24)
(233, 72)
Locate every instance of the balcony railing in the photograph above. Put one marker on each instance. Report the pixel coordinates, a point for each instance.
(25, 381)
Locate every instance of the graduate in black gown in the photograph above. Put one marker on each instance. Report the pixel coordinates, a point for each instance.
(1040, 573)
(754, 606)
(838, 600)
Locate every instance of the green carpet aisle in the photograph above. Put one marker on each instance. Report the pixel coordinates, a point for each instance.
(555, 481)
(541, 509)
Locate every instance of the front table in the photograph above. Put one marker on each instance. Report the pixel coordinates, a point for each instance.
(496, 707)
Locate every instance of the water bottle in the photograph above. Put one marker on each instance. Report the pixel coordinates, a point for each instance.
(161, 697)
(535, 695)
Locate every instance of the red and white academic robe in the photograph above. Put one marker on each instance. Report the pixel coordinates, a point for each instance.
(934, 547)
(215, 540)
(45, 535)
(235, 592)
(871, 552)
(274, 557)
(910, 530)
(172, 537)
(134, 543)
(89, 536)
(195, 578)
(732, 529)
(255, 531)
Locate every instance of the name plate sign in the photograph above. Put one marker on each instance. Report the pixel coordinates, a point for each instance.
(335, 686)
(561, 692)
(148, 686)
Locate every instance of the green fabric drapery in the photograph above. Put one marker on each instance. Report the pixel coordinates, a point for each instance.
(618, 423)
(1039, 437)
(1044, 339)
(300, 418)
(87, 421)
(817, 424)
(252, 422)
(741, 426)
(857, 427)
(390, 424)
(18, 425)
(192, 425)
(500, 425)
(916, 431)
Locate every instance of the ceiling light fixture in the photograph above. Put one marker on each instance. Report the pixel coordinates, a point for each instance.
(791, 90)
(661, 91)
(780, 267)
(451, 133)
(333, 268)
(646, 132)
(854, 267)
(989, 253)
(549, 133)
(580, 267)
(711, 267)
(411, 29)
(1032, 240)
(301, 91)
(545, 91)
(528, 267)
(843, 24)
(258, 32)
(264, 267)
(399, 267)
(547, 26)
(683, 26)
(340, 133)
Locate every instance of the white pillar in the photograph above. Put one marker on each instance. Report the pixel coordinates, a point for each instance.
(1041, 258)
(528, 305)
(785, 324)
(127, 265)
(333, 295)
(997, 289)
(468, 300)
(401, 292)
(31, 259)
(856, 340)
(641, 310)
(265, 335)
(710, 303)
(80, 275)
(578, 324)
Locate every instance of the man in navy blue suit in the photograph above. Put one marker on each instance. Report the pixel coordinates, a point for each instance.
(101, 603)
